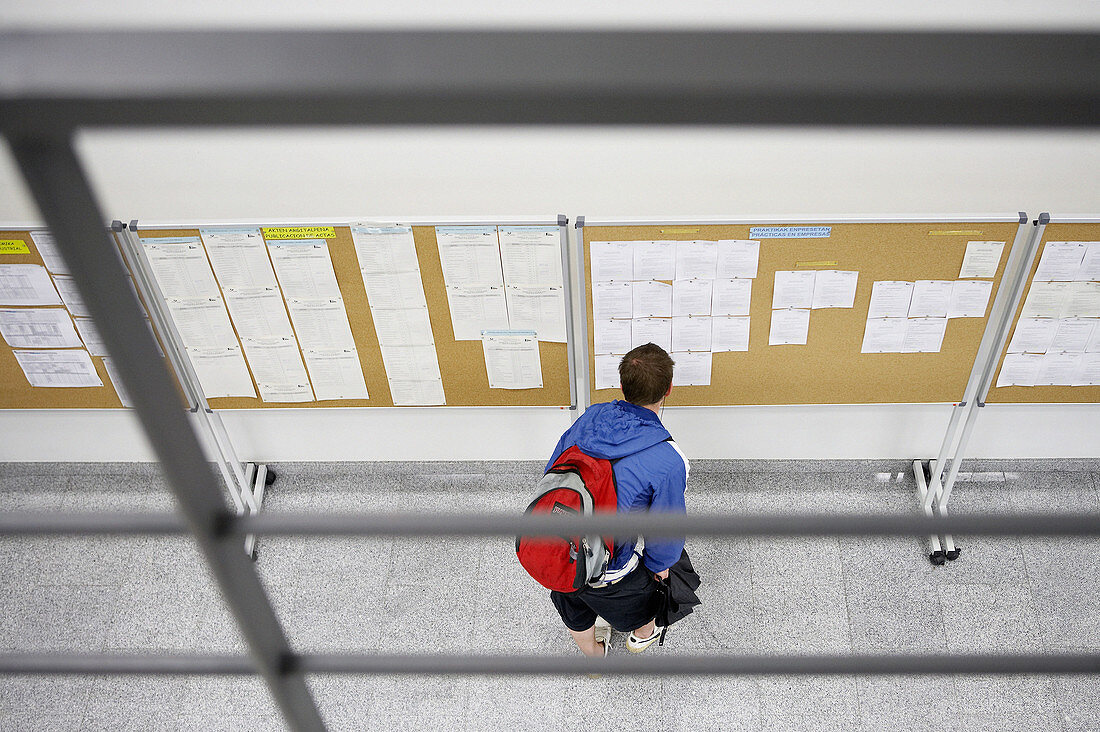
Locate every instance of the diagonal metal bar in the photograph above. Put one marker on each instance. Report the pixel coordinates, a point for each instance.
(55, 79)
(65, 200)
(666, 665)
(27, 523)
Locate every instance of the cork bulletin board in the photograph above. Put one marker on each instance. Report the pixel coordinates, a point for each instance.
(1046, 394)
(461, 363)
(15, 391)
(830, 369)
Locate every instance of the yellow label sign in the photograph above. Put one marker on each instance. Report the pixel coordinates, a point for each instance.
(14, 246)
(680, 230)
(300, 232)
(961, 232)
(817, 264)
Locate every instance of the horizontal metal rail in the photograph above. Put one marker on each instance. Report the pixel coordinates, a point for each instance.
(25, 523)
(52, 82)
(665, 665)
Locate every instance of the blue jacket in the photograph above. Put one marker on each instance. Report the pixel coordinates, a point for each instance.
(651, 474)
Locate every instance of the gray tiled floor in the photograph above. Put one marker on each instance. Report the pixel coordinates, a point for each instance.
(761, 595)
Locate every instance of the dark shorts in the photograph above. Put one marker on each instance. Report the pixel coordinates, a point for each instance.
(628, 604)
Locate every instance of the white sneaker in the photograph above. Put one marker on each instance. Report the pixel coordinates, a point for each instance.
(634, 644)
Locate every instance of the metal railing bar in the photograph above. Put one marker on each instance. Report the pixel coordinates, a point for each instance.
(665, 665)
(61, 190)
(26, 523)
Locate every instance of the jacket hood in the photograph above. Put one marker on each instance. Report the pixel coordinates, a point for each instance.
(616, 429)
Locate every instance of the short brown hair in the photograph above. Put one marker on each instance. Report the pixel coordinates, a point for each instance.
(646, 374)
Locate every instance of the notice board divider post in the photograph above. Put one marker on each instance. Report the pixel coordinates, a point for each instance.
(936, 493)
(245, 482)
(570, 333)
(582, 339)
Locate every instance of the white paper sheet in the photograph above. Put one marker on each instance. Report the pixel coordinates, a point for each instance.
(611, 260)
(202, 323)
(180, 267)
(729, 333)
(258, 312)
(93, 341)
(793, 289)
(692, 369)
(696, 260)
(38, 328)
(531, 256)
(321, 325)
(611, 336)
(652, 299)
(691, 334)
(612, 300)
(26, 284)
(336, 374)
(277, 366)
(924, 335)
(651, 330)
(411, 363)
(470, 256)
(304, 268)
(404, 327)
(47, 249)
(1090, 263)
(789, 327)
(1081, 300)
(116, 382)
(1045, 300)
(512, 359)
(222, 371)
(607, 371)
(738, 258)
(1093, 346)
(969, 299)
(931, 298)
(1089, 373)
(1033, 335)
(655, 260)
(1072, 335)
(537, 308)
(890, 299)
(385, 249)
(692, 297)
(884, 335)
(71, 296)
(1020, 369)
(1058, 369)
(239, 258)
(477, 308)
(71, 367)
(1060, 261)
(981, 259)
(414, 393)
(731, 297)
(834, 289)
(394, 289)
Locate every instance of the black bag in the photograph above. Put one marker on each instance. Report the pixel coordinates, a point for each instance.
(677, 594)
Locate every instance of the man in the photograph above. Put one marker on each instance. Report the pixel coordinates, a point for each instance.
(650, 474)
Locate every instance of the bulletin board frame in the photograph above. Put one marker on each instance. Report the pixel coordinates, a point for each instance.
(829, 369)
(16, 391)
(462, 363)
(1068, 228)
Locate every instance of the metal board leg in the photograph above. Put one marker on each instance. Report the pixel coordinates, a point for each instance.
(926, 496)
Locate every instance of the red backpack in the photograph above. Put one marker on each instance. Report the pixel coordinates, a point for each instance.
(576, 484)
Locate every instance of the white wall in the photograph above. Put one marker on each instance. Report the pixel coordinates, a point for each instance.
(616, 173)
